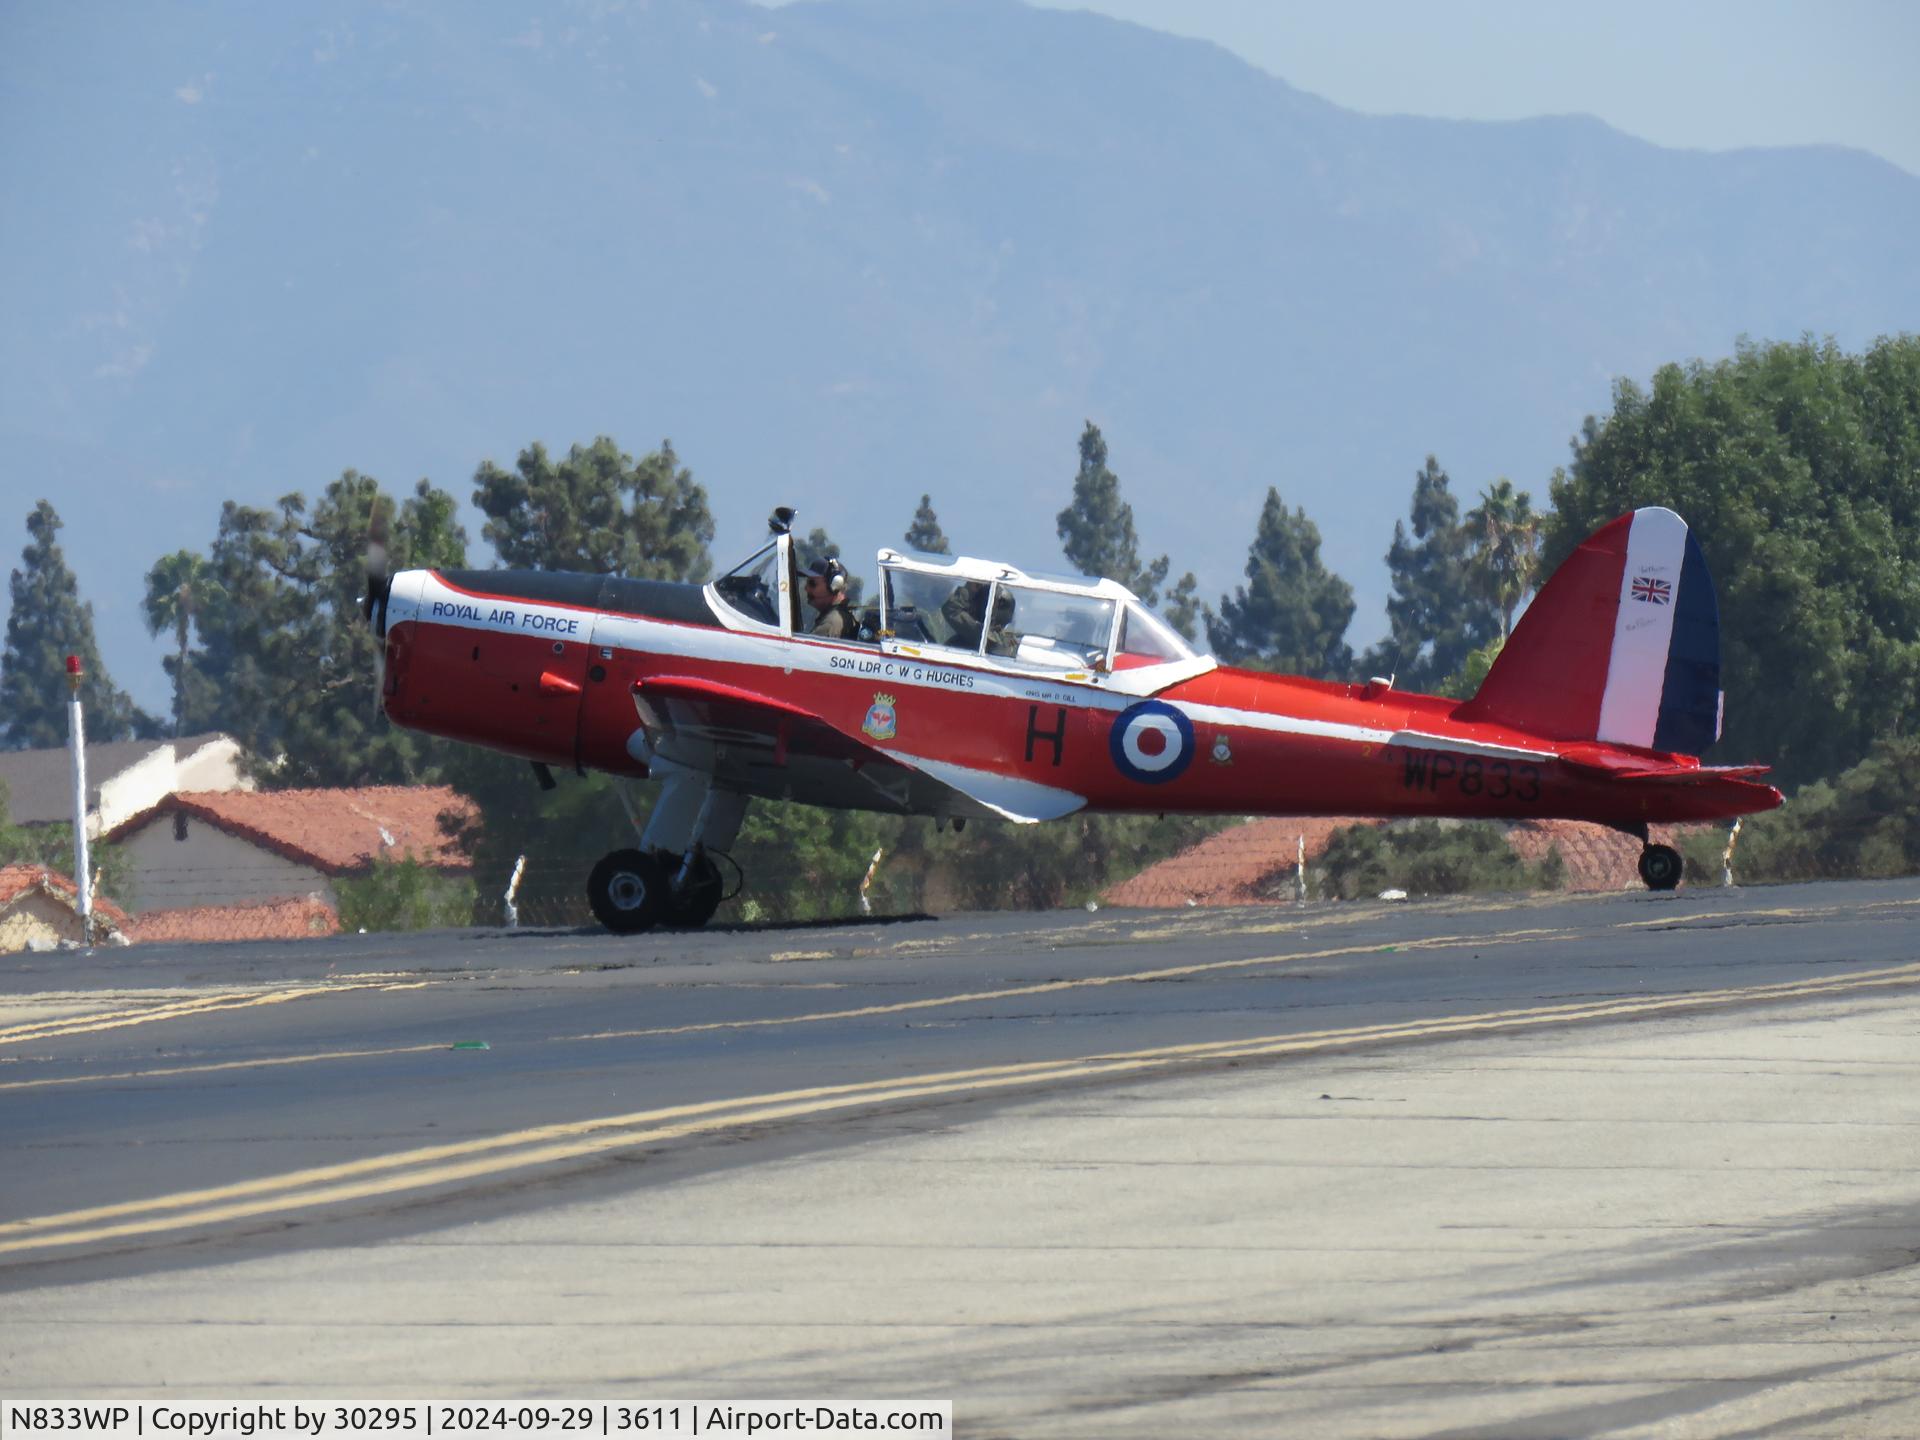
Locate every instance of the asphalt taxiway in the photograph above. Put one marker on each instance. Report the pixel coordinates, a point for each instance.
(1633, 1164)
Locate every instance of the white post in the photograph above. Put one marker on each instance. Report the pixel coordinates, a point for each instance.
(513, 889)
(866, 906)
(1300, 873)
(1726, 860)
(77, 743)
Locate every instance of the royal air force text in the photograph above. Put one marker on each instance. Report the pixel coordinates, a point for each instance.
(531, 622)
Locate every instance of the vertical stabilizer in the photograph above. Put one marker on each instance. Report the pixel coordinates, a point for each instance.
(1621, 645)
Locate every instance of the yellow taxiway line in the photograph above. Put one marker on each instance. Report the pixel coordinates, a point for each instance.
(812, 1017)
(494, 1156)
(180, 1009)
(236, 1000)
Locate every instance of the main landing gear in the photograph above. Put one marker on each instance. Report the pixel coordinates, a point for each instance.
(1660, 865)
(670, 879)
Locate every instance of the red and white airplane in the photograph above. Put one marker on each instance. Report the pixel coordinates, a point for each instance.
(987, 691)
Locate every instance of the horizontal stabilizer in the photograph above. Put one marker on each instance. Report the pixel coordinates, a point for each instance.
(1619, 765)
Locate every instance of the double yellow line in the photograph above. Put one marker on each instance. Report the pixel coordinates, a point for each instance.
(180, 1009)
(439, 1165)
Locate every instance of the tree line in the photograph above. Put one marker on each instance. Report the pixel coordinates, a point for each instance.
(1798, 465)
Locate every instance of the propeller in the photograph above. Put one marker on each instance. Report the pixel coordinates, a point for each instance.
(379, 585)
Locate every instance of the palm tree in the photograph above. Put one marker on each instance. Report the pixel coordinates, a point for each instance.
(1504, 531)
(179, 587)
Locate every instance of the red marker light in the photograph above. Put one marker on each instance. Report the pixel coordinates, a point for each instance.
(73, 664)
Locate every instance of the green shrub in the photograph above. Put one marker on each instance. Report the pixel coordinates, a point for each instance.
(404, 895)
(1862, 824)
(1428, 857)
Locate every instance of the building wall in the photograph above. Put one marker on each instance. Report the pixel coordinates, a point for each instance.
(145, 782)
(213, 766)
(209, 867)
(169, 770)
(36, 920)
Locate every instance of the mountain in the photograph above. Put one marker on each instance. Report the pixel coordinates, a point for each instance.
(841, 253)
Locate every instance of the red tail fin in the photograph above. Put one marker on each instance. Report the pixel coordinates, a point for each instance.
(1621, 645)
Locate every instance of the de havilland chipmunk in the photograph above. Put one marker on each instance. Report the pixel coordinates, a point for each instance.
(972, 689)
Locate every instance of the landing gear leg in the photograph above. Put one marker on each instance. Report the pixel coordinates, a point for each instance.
(670, 879)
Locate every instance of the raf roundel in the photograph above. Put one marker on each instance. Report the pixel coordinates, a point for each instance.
(1152, 742)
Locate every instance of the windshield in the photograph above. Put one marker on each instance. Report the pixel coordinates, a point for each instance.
(1145, 640)
(752, 586)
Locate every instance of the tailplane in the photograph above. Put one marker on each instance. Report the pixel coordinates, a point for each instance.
(1622, 645)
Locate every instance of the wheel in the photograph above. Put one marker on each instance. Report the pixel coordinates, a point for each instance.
(694, 906)
(1660, 867)
(627, 891)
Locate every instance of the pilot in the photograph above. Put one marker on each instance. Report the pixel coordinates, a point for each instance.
(827, 593)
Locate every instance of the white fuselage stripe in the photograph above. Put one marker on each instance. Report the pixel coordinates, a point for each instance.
(1643, 629)
(434, 602)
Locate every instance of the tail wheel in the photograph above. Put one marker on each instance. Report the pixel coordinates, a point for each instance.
(1660, 867)
(694, 905)
(628, 891)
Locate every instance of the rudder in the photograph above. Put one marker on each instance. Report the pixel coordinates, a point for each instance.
(1621, 645)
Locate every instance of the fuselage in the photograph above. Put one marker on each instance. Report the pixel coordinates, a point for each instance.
(550, 666)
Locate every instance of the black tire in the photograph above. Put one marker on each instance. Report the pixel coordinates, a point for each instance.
(694, 906)
(627, 891)
(1661, 866)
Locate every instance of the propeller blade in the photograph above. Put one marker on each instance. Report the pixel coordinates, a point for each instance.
(376, 563)
(374, 605)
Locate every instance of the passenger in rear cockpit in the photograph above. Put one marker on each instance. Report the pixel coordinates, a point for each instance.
(965, 612)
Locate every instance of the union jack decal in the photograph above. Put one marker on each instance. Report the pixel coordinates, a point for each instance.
(1650, 591)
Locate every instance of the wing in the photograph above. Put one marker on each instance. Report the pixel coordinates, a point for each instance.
(762, 745)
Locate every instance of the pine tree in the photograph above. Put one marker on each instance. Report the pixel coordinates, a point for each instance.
(925, 534)
(1096, 529)
(46, 624)
(1437, 615)
(1292, 613)
(597, 510)
(287, 661)
(1096, 532)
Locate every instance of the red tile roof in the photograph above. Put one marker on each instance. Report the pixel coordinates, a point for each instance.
(292, 918)
(1253, 863)
(1241, 865)
(16, 880)
(337, 832)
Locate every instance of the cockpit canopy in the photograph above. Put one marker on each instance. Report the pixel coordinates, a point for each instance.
(1019, 620)
(1046, 622)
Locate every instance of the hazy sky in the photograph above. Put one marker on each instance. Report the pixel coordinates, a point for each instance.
(1708, 74)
